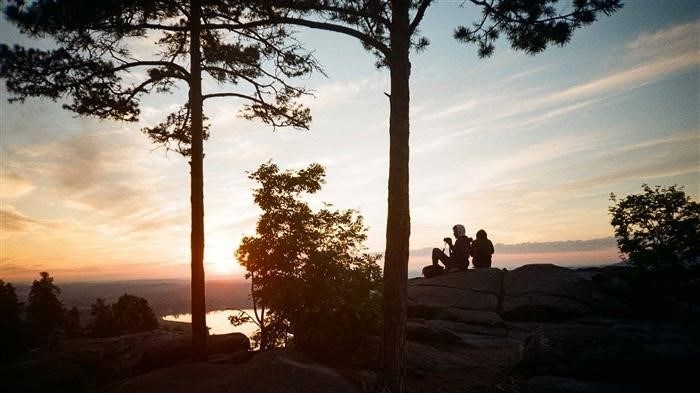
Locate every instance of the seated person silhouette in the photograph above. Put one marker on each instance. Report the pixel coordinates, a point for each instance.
(459, 252)
(481, 250)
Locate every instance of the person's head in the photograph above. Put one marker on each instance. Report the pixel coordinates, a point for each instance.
(481, 234)
(459, 230)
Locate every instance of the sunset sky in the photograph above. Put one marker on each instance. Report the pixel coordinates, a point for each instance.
(527, 148)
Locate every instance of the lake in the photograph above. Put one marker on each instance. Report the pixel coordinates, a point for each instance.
(218, 322)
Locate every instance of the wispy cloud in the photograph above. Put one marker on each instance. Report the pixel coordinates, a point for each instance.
(646, 60)
(14, 186)
(457, 108)
(12, 222)
(683, 38)
(630, 78)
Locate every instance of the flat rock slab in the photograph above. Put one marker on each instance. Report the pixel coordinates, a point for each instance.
(447, 297)
(472, 317)
(481, 280)
(278, 371)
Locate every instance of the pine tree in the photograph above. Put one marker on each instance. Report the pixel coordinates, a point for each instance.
(44, 310)
(92, 67)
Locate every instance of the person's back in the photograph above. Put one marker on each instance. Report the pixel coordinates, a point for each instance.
(460, 253)
(482, 249)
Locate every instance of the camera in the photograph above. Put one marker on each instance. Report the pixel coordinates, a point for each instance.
(447, 240)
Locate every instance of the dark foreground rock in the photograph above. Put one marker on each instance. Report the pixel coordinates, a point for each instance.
(77, 365)
(278, 371)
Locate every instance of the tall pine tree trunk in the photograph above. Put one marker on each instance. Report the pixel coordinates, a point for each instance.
(393, 352)
(199, 325)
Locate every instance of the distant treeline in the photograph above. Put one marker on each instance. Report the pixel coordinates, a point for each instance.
(164, 296)
(44, 319)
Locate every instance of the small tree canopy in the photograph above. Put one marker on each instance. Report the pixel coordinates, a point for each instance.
(658, 229)
(130, 314)
(308, 269)
(44, 309)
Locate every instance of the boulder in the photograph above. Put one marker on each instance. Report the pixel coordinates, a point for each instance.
(548, 280)
(546, 292)
(174, 350)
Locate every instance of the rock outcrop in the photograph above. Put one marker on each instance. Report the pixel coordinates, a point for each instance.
(540, 328)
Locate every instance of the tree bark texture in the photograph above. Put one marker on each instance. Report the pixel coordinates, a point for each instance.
(199, 325)
(393, 352)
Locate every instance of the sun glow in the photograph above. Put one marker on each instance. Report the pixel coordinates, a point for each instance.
(220, 260)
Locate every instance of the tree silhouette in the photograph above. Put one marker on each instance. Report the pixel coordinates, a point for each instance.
(44, 310)
(309, 276)
(389, 29)
(10, 323)
(658, 229)
(130, 314)
(93, 67)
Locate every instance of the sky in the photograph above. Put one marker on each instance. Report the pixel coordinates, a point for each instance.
(528, 148)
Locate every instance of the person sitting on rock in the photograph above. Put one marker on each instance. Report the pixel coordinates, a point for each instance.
(481, 250)
(459, 252)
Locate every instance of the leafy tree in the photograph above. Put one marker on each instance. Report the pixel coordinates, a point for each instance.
(10, 323)
(44, 310)
(130, 314)
(309, 276)
(658, 229)
(94, 68)
(389, 29)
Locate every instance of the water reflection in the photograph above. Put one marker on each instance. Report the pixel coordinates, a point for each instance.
(218, 322)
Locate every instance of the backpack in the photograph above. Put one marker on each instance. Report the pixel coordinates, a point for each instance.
(432, 271)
